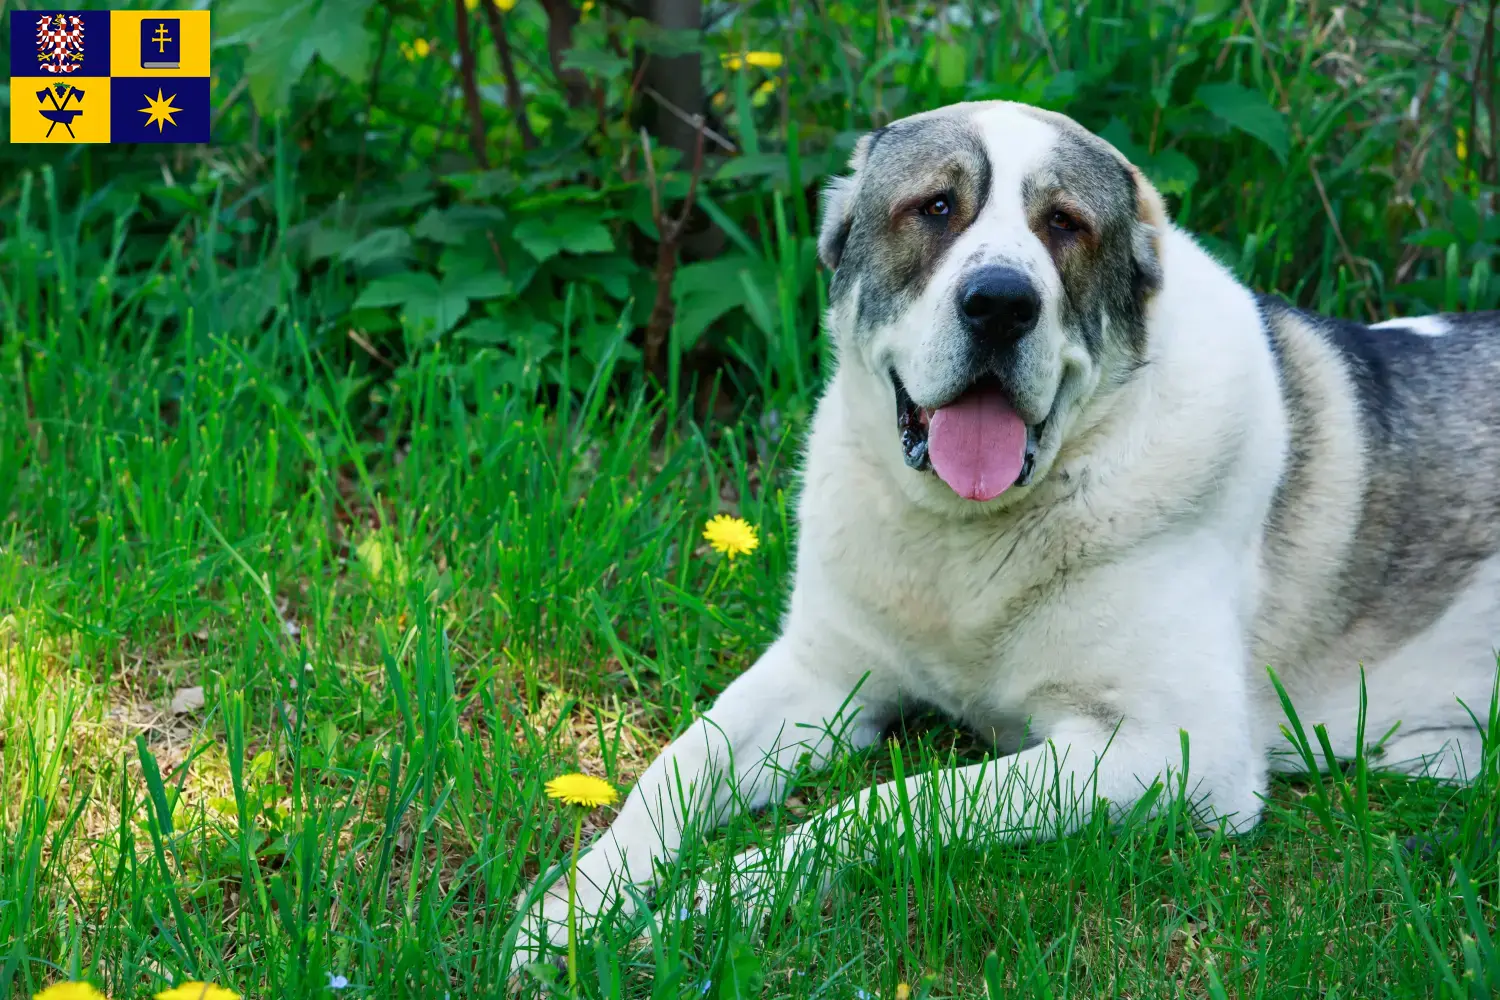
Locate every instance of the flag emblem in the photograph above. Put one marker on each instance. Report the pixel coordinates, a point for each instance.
(60, 95)
(161, 43)
(59, 43)
(110, 76)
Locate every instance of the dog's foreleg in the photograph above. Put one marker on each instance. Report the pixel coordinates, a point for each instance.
(737, 757)
(1047, 791)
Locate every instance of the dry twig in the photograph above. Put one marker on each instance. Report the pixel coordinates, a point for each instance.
(669, 237)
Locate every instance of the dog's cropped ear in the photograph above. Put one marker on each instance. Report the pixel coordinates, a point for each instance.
(838, 204)
(1150, 228)
(838, 197)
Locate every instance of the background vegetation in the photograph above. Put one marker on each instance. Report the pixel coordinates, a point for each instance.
(352, 470)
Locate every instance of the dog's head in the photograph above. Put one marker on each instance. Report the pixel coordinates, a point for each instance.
(993, 263)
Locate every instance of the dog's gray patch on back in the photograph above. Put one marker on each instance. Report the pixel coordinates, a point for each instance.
(1430, 413)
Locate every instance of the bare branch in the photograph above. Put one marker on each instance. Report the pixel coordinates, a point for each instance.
(694, 120)
(471, 89)
(513, 96)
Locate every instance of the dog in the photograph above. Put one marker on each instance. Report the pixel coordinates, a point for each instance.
(1075, 486)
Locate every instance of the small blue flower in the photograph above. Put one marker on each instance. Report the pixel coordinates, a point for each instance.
(337, 982)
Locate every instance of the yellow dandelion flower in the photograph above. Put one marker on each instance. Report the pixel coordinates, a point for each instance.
(762, 60)
(70, 991)
(1462, 146)
(903, 991)
(197, 991)
(582, 790)
(730, 536)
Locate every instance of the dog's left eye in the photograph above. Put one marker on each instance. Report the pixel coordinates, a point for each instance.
(1062, 220)
(935, 206)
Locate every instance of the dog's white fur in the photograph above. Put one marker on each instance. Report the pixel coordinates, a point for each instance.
(903, 591)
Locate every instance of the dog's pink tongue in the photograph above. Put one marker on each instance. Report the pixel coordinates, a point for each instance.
(977, 444)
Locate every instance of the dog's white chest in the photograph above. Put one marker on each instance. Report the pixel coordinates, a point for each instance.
(956, 610)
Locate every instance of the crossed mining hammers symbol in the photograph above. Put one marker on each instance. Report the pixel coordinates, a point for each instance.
(60, 114)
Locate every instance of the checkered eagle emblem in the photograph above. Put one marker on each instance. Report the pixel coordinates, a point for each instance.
(59, 43)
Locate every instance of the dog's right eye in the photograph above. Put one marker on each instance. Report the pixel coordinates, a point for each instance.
(935, 206)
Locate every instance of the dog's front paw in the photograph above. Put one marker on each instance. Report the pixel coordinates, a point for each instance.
(543, 934)
(759, 884)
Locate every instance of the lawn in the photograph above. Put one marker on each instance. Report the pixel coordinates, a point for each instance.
(345, 500)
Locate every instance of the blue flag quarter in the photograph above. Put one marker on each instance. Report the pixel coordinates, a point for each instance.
(59, 44)
(159, 109)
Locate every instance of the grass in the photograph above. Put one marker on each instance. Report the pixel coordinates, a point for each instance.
(413, 584)
(401, 638)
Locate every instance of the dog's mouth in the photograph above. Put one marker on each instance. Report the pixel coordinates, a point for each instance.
(976, 443)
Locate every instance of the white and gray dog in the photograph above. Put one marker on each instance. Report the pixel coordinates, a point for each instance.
(1076, 486)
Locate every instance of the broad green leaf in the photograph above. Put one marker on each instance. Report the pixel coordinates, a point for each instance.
(1247, 110)
(544, 237)
(396, 290)
(453, 225)
(436, 314)
(478, 287)
(1061, 88)
(486, 330)
(665, 42)
(740, 973)
(435, 225)
(613, 273)
(595, 63)
(591, 238)
(761, 165)
(323, 241)
(538, 239)
(272, 70)
(285, 37)
(1171, 171)
(382, 244)
(707, 290)
(1117, 134)
(339, 35)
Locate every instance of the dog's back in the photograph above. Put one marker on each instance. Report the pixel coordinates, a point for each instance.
(1383, 547)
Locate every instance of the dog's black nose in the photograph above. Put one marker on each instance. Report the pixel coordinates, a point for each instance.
(1000, 303)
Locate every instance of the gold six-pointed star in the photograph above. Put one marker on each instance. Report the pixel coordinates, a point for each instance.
(161, 110)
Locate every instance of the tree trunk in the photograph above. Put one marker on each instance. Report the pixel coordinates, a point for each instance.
(679, 80)
(561, 17)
